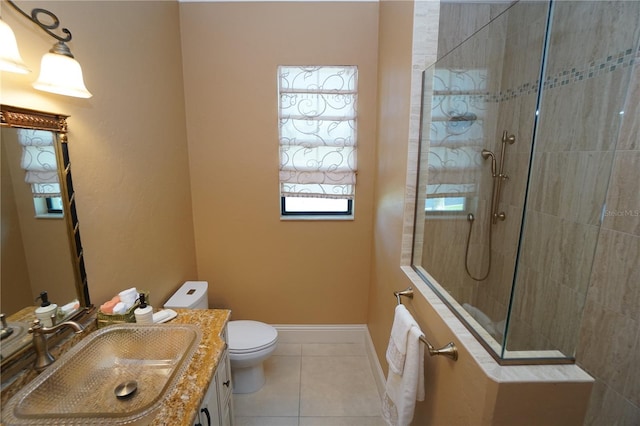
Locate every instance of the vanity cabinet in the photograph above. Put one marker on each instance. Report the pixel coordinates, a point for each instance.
(217, 406)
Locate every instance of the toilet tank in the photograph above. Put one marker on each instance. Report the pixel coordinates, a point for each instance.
(192, 295)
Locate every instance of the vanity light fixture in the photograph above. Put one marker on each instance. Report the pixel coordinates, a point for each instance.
(60, 73)
(10, 59)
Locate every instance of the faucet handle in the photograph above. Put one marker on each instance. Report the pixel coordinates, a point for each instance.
(6, 330)
(35, 325)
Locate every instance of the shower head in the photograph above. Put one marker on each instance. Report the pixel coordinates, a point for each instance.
(460, 123)
(486, 154)
(467, 116)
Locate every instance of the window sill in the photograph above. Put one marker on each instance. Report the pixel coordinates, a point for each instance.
(50, 216)
(316, 217)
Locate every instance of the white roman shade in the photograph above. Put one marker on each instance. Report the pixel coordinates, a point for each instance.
(39, 162)
(317, 129)
(457, 132)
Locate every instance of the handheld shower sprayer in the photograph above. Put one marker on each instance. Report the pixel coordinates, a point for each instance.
(497, 177)
(486, 154)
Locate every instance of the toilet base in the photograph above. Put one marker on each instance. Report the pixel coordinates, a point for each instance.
(248, 380)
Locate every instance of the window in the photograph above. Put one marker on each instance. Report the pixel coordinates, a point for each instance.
(49, 207)
(456, 137)
(41, 170)
(54, 205)
(301, 206)
(446, 204)
(317, 132)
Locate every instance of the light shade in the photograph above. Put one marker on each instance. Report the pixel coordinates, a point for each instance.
(10, 59)
(62, 75)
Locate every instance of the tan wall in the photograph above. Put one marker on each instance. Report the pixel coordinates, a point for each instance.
(127, 143)
(16, 291)
(394, 76)
(299, 272)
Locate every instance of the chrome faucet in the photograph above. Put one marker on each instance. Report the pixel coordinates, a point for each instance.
(43, 357)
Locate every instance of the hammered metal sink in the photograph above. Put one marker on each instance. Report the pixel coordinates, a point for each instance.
(116, 375)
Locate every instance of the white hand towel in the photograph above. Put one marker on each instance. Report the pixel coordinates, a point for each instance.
(402, 391)
(397, 349)
(120, 309)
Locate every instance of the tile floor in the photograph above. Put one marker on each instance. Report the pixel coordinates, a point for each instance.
(313, 384)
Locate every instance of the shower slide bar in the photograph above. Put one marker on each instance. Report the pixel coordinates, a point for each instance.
(450, 350)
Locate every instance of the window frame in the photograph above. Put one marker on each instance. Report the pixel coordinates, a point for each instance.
(316, 214)
(51, 209)
(347, 214)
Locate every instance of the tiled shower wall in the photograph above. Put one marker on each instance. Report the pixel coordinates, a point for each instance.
(593, 268)
(609, 341)
(583, 93)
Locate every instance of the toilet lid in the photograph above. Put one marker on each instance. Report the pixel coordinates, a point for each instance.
(250, 336)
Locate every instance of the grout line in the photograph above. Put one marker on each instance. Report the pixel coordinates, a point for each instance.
(300, 387)
(302, 358)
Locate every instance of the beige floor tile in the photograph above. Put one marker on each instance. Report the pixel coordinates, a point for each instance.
(280, 396)
(336, 349)
(338, 386)
(341, 421)
(288, 349)
(266, 421)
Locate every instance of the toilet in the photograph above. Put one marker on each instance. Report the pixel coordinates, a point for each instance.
(192, 295)
(250, 342)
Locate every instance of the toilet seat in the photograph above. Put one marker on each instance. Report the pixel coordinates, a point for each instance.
(246, 336)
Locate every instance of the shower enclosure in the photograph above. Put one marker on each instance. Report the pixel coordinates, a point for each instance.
(519, 128)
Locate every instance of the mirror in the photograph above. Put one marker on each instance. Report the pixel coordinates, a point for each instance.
(41, 246)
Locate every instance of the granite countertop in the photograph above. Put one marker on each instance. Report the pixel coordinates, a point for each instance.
(181, 405)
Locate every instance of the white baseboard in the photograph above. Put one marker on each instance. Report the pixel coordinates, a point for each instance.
(334, 333)
(330, 333)
(376, 368)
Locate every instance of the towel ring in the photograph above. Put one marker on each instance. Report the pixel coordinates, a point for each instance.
(449, 350)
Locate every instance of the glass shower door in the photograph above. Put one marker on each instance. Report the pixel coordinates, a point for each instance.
(479, 111)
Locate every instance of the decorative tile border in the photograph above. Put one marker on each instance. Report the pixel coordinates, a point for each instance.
(593, 69)
(623, 59)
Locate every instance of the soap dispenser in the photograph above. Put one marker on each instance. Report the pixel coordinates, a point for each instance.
(47, 311)
(143, 313)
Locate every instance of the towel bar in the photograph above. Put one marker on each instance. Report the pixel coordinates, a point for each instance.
(449, 350)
